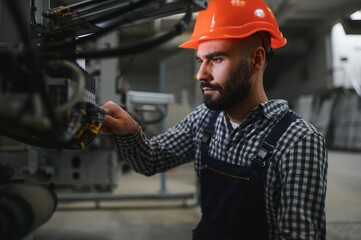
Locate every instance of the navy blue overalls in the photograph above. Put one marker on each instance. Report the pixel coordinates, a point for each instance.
(232, 196)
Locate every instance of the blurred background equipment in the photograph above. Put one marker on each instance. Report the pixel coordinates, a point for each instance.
(50, 94)
(124, 46)
(23, 208)
(47, 98)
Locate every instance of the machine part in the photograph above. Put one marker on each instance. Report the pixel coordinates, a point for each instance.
(31, 62)
(94, 168)
(101, 17)
(132, 48)
(79, 90)
(23, 208)
(39, 115)
(71, 93)
(6, 173)
(139, 103)
(109, 197)
(43, 107)
(140, 111)
(137, 97)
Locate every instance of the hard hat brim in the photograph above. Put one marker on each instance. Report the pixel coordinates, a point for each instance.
(277, 40)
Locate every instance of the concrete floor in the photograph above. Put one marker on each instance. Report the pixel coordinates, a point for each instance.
(150, 220)
(343, 202)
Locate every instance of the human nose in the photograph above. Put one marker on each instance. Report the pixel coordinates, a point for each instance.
(203, 73)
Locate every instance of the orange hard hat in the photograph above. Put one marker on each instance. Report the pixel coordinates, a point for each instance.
(235, 19)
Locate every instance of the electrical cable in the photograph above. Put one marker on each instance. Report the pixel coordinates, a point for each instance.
(114, 12)
(119, 22)
(141, 46)
(84, 120)
(51, 136)
(80, 79)
(70, 8)
(46, 139)
(101, 31)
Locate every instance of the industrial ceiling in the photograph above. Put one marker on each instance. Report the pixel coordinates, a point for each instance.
(300, 22)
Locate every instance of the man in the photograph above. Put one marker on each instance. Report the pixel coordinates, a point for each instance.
(262, 169)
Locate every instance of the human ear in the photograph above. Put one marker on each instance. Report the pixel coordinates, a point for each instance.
(258, 59)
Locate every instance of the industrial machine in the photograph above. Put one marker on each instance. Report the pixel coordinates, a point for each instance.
(49, 112)
(47, 99)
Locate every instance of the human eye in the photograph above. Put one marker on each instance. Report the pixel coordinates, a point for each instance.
(216, 60)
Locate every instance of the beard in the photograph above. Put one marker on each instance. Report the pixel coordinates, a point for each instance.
(236, 88)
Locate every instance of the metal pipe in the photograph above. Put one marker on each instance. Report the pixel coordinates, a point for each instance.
(87, 197)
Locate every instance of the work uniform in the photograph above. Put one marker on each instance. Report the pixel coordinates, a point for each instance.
(232, 197)
(295, 179)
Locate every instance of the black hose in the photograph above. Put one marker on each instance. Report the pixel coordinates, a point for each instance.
(141, 46)
(101, 31)
(94, 17)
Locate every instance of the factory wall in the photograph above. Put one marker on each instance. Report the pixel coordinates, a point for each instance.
(346, 57)
(309, 75)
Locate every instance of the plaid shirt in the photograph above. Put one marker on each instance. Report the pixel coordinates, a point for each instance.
(295, 187)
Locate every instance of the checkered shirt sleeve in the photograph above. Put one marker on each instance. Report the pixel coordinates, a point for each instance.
(296, 185)
(165, 151)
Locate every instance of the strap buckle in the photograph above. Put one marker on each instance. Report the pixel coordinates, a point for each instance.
(263, 154)
(206, 138)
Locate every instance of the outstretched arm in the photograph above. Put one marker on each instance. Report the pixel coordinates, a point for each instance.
(148, 156)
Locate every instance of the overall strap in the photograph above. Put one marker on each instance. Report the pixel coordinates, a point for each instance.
(268, 145)
(208, 132)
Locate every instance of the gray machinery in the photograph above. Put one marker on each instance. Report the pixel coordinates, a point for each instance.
(49, 114)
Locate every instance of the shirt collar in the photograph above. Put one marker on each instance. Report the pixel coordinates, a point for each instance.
(272, 107)
(267, 109)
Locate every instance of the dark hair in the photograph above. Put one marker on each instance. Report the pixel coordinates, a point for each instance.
(266, 43)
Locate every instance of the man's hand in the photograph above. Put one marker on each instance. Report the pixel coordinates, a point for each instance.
(118, 121)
